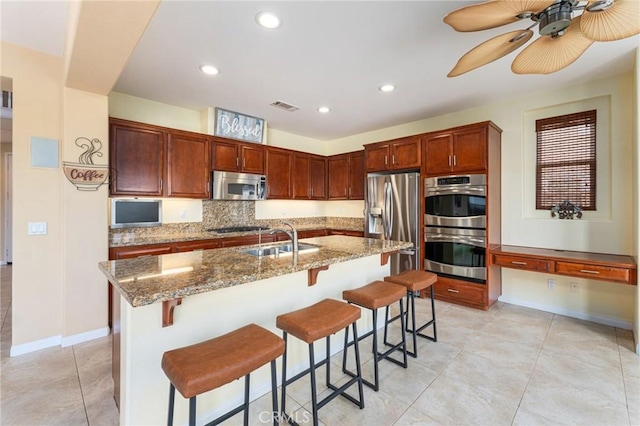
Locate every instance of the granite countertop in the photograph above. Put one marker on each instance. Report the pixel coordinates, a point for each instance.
(127, 240)
(153, 279)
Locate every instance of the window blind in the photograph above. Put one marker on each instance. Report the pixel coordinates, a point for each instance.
(566, 160)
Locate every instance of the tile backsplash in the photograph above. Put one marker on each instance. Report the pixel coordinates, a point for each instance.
(221, 214)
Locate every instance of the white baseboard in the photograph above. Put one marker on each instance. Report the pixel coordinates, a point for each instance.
(84, 337)
(52, 341)
(600, 319)
(36, 345)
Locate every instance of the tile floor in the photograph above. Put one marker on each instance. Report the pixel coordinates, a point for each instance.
(507, 366)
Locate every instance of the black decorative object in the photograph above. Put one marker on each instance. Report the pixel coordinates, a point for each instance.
(566, 210)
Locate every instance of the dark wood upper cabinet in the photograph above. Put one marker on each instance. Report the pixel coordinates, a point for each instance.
(278, 170)
(356, 175)
(318, 177)
(136, 157)
(149, 160)
(237, 156)
(459, 150)
(346, 176)
(188, 166)
(397, 154)
(309, 177)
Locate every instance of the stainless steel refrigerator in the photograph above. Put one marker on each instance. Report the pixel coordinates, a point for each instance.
(392, 213)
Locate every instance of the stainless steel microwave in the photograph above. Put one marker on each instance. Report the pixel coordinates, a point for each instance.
(238, 186)
(135, 212)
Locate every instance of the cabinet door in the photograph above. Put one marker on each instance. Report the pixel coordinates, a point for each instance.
(252, 156)
(136, 154)
(300, 177)
(356, 176)
(338, 166)
(188, 166)
(405, 154)
(278, 173)
(437, 154)
(318, 178)
(377, 158)
(225, 156)
(470, 151)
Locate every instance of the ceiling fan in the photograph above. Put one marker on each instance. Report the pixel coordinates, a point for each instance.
(564, 34)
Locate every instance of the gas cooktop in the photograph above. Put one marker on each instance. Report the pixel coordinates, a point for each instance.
(238, 229)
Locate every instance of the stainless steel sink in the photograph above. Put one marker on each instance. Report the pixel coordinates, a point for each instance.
(280, 250)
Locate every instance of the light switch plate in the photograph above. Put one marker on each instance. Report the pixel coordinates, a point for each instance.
(37, 228)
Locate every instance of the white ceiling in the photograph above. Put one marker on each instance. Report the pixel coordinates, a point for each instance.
(331, 53)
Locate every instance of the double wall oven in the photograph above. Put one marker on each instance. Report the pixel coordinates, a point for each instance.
(455, 226)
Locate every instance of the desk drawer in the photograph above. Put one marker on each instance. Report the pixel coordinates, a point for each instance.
(596, 272)
(526, 263)
(459, 292)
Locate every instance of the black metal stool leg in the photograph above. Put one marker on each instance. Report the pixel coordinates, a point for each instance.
(376, 381)
(172, 399)
(358, 366)
(246, 399)
(192, 411)
(314, 396)
(274, 394)
(283, 401)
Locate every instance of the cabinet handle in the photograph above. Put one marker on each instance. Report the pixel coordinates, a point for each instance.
(451, 290)
(518, 263)
(311, 190)
(454, 160)
(244, 163)
(449, 161)
(345, 190)
(237, 161)
(393, 159)
(385, 160)
(586, 271)
(160, 184)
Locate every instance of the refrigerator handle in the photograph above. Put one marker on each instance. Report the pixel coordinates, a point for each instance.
(388, 204)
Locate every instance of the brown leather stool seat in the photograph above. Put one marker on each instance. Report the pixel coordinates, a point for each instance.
(415, 281)
(309, 325)
(208, 365)
(375, 295)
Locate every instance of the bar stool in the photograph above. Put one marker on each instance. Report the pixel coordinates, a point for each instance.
(414, 281)
(377, 294)
(309, 325)
(208, 365)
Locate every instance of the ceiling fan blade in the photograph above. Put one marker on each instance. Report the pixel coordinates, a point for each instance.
(547, 54)
(492, 14)
(618, 21)
(490, 50)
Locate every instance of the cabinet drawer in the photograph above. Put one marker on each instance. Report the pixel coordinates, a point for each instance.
(525, 263)
(458, 292)
(596, 272)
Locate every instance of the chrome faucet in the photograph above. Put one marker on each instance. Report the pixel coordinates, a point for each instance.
(293, 235)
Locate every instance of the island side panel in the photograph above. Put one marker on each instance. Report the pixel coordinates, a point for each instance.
(145, 388)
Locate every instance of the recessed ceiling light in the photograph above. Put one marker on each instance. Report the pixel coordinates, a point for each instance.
(268, 20)
(324, 109)
(209, 69)
(387, 88)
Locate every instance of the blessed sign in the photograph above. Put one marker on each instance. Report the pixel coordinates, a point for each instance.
(234, 125)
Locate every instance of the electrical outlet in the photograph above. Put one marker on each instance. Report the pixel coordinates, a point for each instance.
(574, 287)
(551, 284)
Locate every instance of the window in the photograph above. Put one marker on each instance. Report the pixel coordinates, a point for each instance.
(566, 160)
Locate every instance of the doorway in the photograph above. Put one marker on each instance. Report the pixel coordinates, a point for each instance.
(8, 197)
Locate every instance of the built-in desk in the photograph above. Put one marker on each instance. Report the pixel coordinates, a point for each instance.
(597, 266)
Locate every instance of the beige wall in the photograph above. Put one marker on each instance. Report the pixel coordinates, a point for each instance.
(59, 296)
(85, 236)
(636, 193)
(38, 196)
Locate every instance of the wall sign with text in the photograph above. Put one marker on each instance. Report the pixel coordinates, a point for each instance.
(230, 124)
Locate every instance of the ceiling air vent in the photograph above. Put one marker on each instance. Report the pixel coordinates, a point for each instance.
(285, 106)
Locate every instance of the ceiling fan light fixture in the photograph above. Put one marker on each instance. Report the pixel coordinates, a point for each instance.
(555, 18)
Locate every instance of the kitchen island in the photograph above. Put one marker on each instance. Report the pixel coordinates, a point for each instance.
(218, 291)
